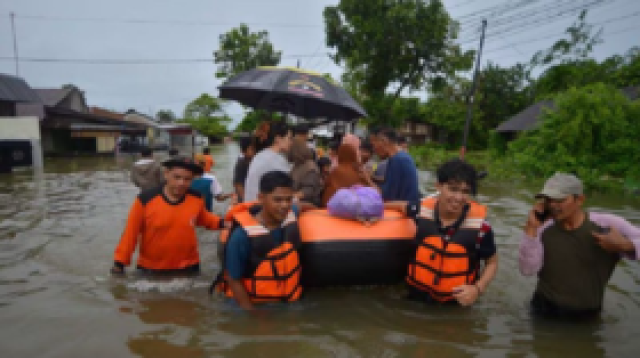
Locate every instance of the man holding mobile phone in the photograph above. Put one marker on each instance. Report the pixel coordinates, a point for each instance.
(573, 252)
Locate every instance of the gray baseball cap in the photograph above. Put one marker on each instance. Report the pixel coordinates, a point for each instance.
(560, 186)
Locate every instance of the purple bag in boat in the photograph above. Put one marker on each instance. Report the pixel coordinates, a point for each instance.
(357, 202)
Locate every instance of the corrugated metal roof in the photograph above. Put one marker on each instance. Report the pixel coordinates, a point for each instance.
(15, 89)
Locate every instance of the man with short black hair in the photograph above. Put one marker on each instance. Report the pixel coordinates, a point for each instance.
(146, 173)
(573, 252)
(401, 177)
(162, 224)
(260, 258)
(269, 159)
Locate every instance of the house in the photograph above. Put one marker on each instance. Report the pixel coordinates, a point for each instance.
(416, 131)
(530, 117)
(20, 141)
(68, 127)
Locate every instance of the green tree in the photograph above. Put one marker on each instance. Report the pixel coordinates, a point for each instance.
(578, 46)
(393, 45)
(241, 50)
(205, 114)
(501, 93)
(251, 121)
(166, 116)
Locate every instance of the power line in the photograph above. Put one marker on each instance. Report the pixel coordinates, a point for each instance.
(163, 22)
(555, 35)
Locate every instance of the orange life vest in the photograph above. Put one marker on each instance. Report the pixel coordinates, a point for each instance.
(273, 272)
(443, 263)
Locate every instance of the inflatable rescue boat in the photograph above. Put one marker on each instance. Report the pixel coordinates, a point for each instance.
(337, 251)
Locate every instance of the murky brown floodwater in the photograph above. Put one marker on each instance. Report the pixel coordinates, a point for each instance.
(58, 232)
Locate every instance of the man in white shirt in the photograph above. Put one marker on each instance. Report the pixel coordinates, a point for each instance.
(272, 158)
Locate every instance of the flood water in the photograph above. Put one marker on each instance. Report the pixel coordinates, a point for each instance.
(57, 236)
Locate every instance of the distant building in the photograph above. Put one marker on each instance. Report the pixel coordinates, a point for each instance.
(20, 141)
(68, 127)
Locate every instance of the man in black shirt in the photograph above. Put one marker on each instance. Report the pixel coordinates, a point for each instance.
(242, 167)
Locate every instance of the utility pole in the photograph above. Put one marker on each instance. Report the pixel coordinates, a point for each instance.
(15, 43)
(471, 94)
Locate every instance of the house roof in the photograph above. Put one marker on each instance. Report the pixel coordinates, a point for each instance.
(15, 89)
(529, 117)
(139, 118)
(106, 113)
(52, 96)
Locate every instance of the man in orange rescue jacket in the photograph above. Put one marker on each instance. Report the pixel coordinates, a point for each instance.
(164, 220)
(260, 257)
(454, 238)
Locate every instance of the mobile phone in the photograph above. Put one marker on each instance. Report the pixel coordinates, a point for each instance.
(542, 216)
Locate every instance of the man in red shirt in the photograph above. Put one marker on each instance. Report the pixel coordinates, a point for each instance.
(162, 222)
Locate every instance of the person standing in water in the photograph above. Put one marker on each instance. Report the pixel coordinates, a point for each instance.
(241, 168)
(573, 252)
(454, 240)
(260, 258)
(162, 223)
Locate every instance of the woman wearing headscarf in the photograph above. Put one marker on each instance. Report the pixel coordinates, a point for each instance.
(307, 179)
(346, 174)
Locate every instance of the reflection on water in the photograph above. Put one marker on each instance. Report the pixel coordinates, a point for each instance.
(58, 231)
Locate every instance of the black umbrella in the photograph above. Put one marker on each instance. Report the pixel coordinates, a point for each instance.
(292, 90)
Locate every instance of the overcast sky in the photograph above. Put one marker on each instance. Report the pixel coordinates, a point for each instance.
(189, 29)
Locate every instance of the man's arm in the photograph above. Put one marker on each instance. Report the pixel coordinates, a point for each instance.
(239, 190)
(466, 295)
(129, 238)
(240, 294)
(237, 254)
(623, 237)
(531, 249)
(209, 220)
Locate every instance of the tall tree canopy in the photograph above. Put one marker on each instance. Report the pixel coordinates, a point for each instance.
(205, 114)
(241, 50)
(399, 44)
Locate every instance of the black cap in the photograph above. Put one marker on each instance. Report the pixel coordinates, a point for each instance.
(185, 163)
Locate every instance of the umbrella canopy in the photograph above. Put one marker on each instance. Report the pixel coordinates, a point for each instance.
(292, 90)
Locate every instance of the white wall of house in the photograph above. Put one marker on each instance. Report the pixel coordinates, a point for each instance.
(23, 128)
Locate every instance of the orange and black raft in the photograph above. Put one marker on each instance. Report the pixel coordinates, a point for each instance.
(273, 272)
(443, 263)
(337, 251)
